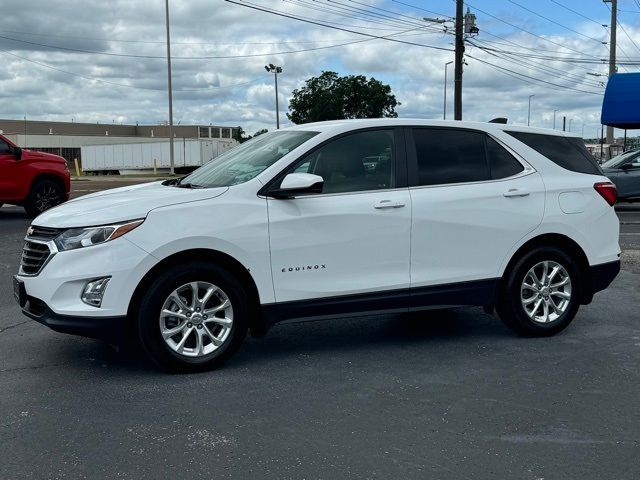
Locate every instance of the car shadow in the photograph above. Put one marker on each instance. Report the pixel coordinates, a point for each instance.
(384, 333)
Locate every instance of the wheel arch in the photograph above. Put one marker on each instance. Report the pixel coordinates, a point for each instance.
(564, 243)
(216, 257)
(51, 177)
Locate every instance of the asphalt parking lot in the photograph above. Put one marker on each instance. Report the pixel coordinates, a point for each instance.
(451, 395)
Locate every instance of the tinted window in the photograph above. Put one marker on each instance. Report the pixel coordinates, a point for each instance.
(501, 163)
(357, 162)
(4, 147)
(569, 153)
(450, 156)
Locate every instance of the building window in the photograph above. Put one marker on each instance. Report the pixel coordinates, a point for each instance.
(215, 132)
(226, 133)
(204, 132)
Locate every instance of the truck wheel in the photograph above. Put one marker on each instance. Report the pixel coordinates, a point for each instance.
(44, 195)
(541, 294)
(193, 317)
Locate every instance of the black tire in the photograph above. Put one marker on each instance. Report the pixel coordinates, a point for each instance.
(44, 194)
(510, 307)
(147, 321)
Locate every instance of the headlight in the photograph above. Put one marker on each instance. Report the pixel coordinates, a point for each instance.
(87, 237)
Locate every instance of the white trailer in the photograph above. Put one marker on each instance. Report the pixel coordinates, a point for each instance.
(144, 157)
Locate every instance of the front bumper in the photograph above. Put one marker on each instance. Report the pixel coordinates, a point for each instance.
(109, 329)
(61, 281)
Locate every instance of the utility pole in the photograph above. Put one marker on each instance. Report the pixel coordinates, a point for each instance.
(271, 68)
(170, 90)
(444, 110)
(529, 111)
(564, 123)
(457, 92)
(613, 27)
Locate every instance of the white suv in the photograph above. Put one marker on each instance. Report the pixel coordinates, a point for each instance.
(327, 219)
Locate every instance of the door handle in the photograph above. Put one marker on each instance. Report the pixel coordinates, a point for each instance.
(516, 192)
(388, 204)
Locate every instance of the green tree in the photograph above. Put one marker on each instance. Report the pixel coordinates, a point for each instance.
(331, 97)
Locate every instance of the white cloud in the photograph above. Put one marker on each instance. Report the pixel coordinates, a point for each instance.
(218, 28)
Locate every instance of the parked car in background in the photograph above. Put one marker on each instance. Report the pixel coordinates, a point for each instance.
(327, 219)
(35, 180)
(624, 171)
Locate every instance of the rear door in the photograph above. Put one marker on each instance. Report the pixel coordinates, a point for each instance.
(472, 202)
(354, 237)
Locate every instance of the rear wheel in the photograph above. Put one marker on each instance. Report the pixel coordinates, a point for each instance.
(541, 294)
(193, 317)
(44, 194)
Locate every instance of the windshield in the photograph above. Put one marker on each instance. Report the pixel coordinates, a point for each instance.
(618, 160)
(246, 161)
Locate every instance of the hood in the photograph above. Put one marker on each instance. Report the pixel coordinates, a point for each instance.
(121, 204)
(42, 156)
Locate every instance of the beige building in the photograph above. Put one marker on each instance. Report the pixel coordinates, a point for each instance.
(67, 138)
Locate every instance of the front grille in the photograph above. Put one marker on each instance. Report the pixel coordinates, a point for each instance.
(43, 232)
(34, 256)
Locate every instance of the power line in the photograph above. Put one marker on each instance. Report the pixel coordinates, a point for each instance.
(578, 13)
(528, 32)
(544, 68)
(293, 17)
(557, 23)
(163, 42)
(532, 78)
(338, 10)
(203, 57)
(424, 9)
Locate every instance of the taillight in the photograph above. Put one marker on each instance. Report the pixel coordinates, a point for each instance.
(608, 191)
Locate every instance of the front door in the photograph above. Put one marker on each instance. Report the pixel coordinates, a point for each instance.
(10, 186)
(354, 237)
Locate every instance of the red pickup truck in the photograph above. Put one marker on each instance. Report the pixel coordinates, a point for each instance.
(35, 180)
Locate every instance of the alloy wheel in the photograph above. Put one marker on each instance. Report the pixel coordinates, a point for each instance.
(46, 198)
(196, 319)
(546, 292)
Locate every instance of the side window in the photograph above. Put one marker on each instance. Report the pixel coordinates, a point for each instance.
(501, 163)
(4, 148)
(353, 163)
(567, 152)
(450, 156)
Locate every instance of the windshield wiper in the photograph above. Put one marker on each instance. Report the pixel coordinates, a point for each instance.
(188, 185)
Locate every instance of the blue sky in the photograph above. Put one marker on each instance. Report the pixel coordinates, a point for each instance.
(96, 63)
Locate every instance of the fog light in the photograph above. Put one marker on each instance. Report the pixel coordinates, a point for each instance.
(94, 291)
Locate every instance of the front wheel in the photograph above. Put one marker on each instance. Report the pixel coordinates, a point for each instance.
(541, 294)
(44, 195)
(193, 317)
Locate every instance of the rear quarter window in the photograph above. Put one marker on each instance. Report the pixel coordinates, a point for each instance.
(569, 153)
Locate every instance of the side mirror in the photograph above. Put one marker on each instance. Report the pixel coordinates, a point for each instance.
(626, 166)
(17, 152)
(297, 184)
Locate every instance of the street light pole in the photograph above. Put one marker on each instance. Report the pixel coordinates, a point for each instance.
(529, 111)
(171, 158)
(444, 111)
(554, 118)
(271, 68)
